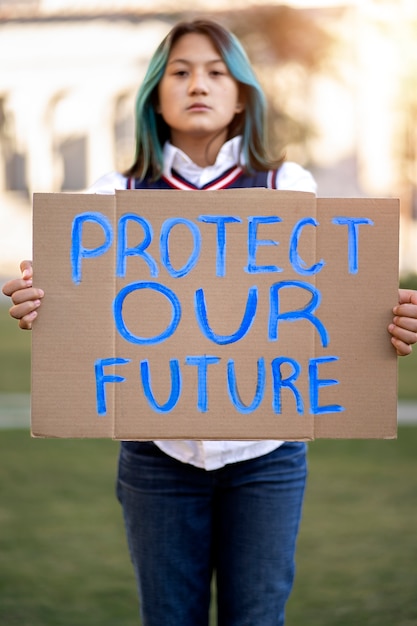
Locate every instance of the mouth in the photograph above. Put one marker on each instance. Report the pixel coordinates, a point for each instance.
(198, 106)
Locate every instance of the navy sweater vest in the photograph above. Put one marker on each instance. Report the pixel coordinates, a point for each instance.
(234, 178)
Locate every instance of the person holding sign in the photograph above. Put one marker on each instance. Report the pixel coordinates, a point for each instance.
(192, 508)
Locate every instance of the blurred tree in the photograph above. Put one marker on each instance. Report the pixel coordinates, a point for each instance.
(406, 137)
(287, 47)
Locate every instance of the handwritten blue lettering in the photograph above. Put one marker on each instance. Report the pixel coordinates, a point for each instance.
(247, 321)
(202, 363)
(316, 383)
(102, 379)
(254, 243)
(166, 229)
(118, 312)
(139, 250)
(175, 386)
(234, 392)
(275, 316)
(279, 382)
(78, 251)
(296, 261)
(221, 221)
(353, 224)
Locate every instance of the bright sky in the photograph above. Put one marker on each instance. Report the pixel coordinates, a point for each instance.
(106, 5)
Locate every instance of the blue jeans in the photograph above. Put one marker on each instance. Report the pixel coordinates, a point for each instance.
(184, 523)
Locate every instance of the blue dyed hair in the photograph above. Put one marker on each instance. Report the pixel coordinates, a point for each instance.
(152, 131)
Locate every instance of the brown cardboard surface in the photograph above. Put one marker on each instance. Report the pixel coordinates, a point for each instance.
(143, 334)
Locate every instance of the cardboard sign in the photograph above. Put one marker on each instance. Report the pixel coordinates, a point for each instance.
(233, 314)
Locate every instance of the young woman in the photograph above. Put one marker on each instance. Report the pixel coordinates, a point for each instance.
(192, 508)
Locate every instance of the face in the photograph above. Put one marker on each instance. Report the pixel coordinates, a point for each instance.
(198, 97)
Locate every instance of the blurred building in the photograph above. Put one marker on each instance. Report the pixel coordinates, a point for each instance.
(70, 69)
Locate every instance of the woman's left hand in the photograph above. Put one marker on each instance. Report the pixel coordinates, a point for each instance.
(404, 324)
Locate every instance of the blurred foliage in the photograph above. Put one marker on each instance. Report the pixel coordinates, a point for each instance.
(281, 34)
(286, 46)
(409, 281)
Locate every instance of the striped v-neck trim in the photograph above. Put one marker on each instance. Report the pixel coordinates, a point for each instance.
(233, 178)
(177, 182)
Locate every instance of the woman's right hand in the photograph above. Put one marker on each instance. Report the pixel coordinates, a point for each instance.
(26, 298)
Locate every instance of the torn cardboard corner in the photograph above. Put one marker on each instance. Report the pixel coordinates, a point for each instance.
(236, 314)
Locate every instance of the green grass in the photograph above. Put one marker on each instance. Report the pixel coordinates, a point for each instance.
(63, 553)
(64, 559)
(14, 355)
(15, 361)
(65, 562)
(407, 376)
(357, 552)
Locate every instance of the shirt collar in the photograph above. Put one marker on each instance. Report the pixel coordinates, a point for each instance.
(228, 156)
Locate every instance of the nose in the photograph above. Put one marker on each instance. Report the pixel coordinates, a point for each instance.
(198, 83)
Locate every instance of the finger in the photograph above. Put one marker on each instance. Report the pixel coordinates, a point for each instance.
(26, 295)
(407, 296)
(16, 284)
(403, 349)
(25, 322)
(406, 323)
(22, 311)
(404, 335)
(11, 286)
(406, 310)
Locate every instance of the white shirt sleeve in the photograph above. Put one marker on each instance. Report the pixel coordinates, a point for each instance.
(108, 183)
(293, 177)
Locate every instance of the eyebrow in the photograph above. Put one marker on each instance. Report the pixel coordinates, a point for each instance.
(188, 62)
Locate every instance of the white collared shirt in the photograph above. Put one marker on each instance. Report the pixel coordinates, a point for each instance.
(175, 159)
(212, 455)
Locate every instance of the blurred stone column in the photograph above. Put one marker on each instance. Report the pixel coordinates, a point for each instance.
(34, 137)
(101, 139)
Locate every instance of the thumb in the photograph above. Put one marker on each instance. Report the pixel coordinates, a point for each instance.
(26, 269)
